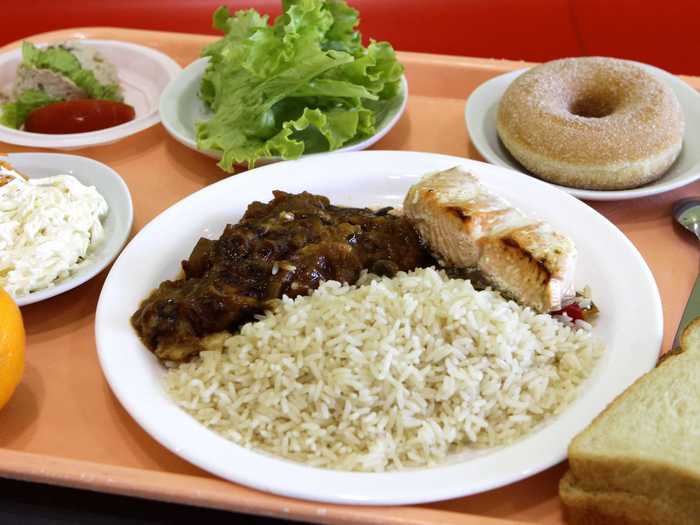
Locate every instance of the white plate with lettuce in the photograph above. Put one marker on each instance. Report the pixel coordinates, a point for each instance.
(108, 70)
(303, 85)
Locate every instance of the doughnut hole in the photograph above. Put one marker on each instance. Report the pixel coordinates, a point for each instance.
(594, 103)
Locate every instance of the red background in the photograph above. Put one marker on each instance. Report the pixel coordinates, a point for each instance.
(663, 33)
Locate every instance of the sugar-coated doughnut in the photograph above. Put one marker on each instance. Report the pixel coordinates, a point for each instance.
(592, 122)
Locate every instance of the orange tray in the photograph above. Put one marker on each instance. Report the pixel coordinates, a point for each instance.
(64, 426)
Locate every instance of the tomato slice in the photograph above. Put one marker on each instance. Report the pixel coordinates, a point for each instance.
(78, 116)
(574, 311)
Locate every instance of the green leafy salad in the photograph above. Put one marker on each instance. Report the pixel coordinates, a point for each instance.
(304, 84)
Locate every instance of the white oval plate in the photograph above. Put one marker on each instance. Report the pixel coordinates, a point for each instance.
(482, 106)
(143, 74)
(117, 223)
(632, 334)
(181, 108)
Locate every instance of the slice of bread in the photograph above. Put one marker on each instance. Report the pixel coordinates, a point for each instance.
(638, 462)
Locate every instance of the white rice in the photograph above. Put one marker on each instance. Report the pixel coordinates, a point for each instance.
(391, 374)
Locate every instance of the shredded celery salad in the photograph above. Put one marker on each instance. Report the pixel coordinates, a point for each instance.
(49, 228)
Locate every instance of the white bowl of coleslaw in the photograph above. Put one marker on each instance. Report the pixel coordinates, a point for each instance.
(62, 226)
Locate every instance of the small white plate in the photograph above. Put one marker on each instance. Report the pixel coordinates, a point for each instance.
(143, 74)
(630, 325)
(117, 223)
(181, 108)
(482, 106)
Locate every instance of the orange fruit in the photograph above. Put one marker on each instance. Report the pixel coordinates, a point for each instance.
(11, 347)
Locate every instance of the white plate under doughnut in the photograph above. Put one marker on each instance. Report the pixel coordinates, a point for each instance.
(480, 114)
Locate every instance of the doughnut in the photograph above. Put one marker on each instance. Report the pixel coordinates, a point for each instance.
(591, 123)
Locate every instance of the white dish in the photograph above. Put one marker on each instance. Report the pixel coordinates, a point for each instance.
(181, 108)
(632, 335)
(143, 74)
(117, 223)
(481, 110)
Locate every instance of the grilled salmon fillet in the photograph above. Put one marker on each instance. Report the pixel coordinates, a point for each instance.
(468, 226)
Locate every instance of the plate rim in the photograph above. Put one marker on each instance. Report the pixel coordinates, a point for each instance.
(71, 141)
(173, 92)
(474, 107)
(93, 269)
(383, 481)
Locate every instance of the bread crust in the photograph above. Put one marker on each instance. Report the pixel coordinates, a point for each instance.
(582, 507)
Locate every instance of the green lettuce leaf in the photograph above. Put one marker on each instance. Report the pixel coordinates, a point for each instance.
(326, 87)
(303, 84)
(60, 60)
(342, 35)
(377, 70)
(15, 113)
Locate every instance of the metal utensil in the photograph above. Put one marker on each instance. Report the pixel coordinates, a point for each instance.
(687, 214)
